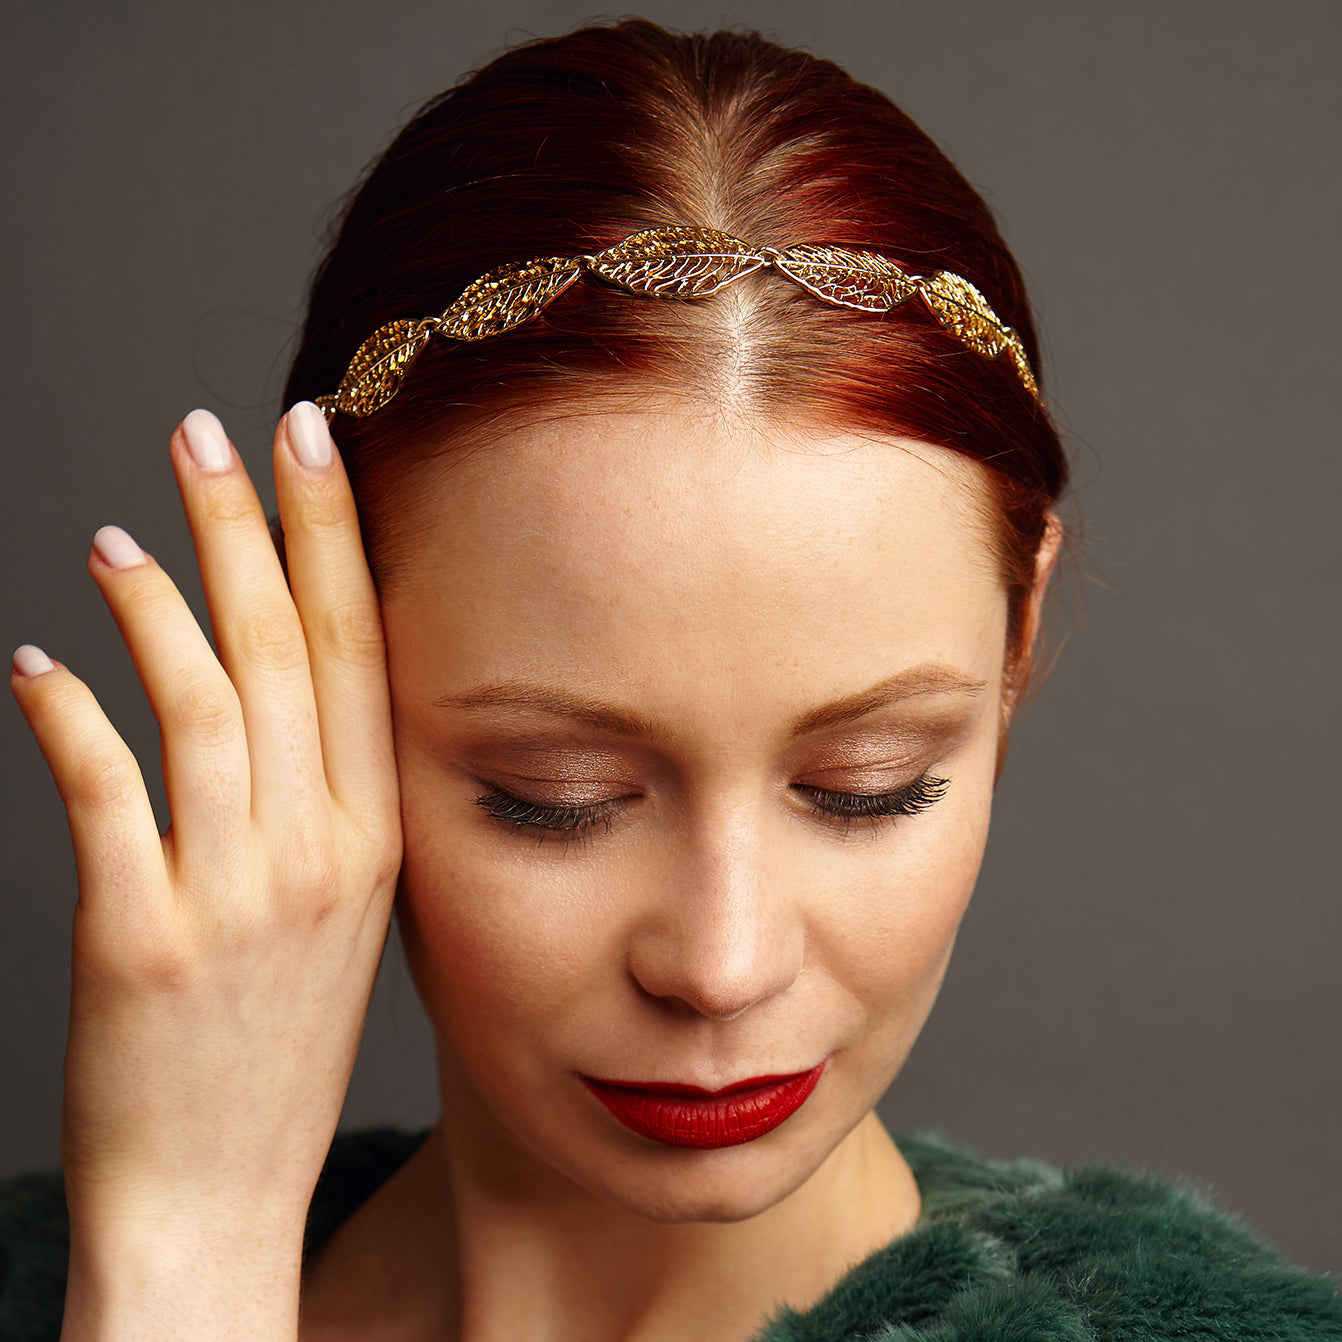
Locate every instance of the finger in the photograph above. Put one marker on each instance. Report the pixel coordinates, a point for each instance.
(257, 631)
(338, 605)
(205, 762)
(117, 850)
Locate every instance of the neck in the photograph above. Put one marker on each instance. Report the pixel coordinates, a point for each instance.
(449, 1251)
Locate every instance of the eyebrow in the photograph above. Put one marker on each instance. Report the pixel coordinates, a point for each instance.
(910, 684)
(554, 703)
(527, 697)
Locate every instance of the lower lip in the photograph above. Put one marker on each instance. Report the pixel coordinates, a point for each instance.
(703, 1119)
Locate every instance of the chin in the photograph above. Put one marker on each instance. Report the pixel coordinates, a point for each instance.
(560, 1141)
(673, 1186)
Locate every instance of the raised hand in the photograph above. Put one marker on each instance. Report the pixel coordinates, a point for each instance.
(221, 972)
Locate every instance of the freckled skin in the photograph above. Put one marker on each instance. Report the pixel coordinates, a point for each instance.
(719, 580)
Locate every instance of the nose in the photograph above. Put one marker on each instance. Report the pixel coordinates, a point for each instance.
(724, 932)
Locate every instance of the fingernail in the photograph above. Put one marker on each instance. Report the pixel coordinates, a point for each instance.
(308, 435)
(207, 441)
(116, 549)
(31, 661)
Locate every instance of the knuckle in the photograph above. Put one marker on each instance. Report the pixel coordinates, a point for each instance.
(150, 959)
(52, 696)
(324, 511)
(103, 780)
(208, 709)
(163, 963)
(321, 879)
(271, 639)
(145, 599)
(379, 860)
(314, 877)
(353, 630)
(308, 863)
(382, 841)
(230, 509)
(387, 865)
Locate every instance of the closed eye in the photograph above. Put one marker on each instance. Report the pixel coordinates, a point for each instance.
(566, 821)
(845, 808)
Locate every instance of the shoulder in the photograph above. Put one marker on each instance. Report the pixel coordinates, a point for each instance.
(1021, 1252)
(34, 1246)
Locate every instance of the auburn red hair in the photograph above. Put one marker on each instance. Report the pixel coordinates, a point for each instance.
(565, 146)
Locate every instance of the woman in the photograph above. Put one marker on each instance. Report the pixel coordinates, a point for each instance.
(705, 622)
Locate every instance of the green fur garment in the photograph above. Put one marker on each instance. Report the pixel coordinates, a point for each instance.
(1004, 1252)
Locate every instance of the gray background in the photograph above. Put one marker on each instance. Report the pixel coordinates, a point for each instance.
(1150, 972)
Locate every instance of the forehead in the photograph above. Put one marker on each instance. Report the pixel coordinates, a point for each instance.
(679, 468)
(605, 541)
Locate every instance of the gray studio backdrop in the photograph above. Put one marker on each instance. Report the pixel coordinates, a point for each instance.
(1149, 974)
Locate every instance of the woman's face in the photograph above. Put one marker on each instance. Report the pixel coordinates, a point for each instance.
(696, 724)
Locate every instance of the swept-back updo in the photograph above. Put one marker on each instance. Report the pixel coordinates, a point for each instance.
(566, 146)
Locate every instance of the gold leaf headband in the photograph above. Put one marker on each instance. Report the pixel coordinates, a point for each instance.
(683, 263)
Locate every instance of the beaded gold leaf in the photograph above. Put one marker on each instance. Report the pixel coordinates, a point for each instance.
(859, 280)
(965, 313)
(677, 262)
(507, 297)
(1022, 362)
(374, 374)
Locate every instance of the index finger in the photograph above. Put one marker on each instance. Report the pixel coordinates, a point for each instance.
(338, 605)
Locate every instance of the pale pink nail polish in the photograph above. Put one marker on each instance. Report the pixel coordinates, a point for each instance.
(31, 661)
(308, 435)
(116, 549)
(207, 441)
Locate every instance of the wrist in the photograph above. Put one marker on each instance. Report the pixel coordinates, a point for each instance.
(150, 1278)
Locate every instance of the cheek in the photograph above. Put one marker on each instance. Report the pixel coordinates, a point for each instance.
(497, 941)
(893, 909)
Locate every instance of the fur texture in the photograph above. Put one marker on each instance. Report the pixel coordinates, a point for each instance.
(1022, 1252)
(1005, 1252)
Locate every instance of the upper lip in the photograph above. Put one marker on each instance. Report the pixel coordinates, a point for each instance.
(678, 1088)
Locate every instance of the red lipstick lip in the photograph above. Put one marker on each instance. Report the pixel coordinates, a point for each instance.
(690, 1116)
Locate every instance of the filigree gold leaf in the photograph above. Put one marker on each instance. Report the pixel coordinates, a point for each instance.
(677, 262)
(859, 280)
(375, 372)
(508, 296)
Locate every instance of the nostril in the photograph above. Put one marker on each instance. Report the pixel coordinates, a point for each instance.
(715, 977)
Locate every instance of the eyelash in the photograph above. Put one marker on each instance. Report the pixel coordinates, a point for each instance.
(838, 808)
(843, 808)
(567, 822)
